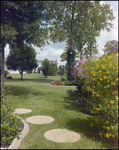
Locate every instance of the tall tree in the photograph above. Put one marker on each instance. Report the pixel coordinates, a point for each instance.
(111, 47)
(22, 22)
(61, 70)
(78, 23)
(45, 67)
(22, 58)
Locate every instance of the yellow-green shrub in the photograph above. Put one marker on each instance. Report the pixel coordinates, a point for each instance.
(102, 82)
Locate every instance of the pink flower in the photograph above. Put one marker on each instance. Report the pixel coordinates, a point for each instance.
(80, 62)
(73, 91)
(77, 101)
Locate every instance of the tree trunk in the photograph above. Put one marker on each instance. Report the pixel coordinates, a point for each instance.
(2, 65)
(70, 58)
(21, 76)
(90, 49)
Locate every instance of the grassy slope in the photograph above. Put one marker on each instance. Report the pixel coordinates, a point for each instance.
(34, 93)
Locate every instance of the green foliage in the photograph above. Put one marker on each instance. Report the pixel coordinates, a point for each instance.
(57, 80)
(19, 25)
(63, 79)
(6, 73)
(70, 64)
(68, 82)
(39, 69)
(79, 23)
(10, 123)
(111, 47)
(22, 58)
(53, 69)
(46, 67)
(102, 86)
(61, 70)
(30, 71)
(62, 83)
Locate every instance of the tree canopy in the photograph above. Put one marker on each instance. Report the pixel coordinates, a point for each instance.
(78, 23)
(45, 67)
(111, 47)
(23, 22)
(21, 59)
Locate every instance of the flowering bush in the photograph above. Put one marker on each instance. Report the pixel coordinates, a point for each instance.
(58, 83)
(9, 77)
(53, 82)
(101, 82)
(62, 83)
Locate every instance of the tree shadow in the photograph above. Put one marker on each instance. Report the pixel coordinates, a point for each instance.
(30, 79)
(16, 90)
(70, 102)
(81, 124)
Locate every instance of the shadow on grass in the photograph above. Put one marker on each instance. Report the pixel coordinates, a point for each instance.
(30, 79)
(81, 124)
(70, 102)
(16, 90)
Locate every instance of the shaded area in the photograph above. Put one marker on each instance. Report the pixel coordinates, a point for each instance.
(17, 91)
(71, 104)
(81, 124)
(41, 79)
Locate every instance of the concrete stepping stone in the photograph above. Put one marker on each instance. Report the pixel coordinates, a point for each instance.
(21, 111)
(40, 119)
(62, 136)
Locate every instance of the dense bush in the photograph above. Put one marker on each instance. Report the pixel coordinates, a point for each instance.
(45, 67)
(58, 83)
(39, 69)
(10, 124)
(30, 71)
(9, 77)
(52, 69)
(57, 80)
(101, 82)
(61, 70)
(63, 79)
(53, 82)
(62, 83)
(68, 82)
(6, 73)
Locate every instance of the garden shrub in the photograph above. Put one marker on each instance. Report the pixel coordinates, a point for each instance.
(101, 80)
(67, 82)
(62, 83)
(10, 123)
(57, 80)
(6, 73)
(30, 71)
(58, 83)
(53, 82)
(63, 79)
(9, 77)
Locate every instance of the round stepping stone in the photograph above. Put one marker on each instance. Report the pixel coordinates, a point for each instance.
(40, 119)
(21, 111)
(62, 136)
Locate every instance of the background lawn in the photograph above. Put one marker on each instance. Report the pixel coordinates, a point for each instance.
(34, 93)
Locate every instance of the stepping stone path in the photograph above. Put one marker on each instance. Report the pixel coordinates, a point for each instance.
(22, 111)
(62, 136)
(40, 119)
(55, 135)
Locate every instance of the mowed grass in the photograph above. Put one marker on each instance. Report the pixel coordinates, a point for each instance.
(33, 92)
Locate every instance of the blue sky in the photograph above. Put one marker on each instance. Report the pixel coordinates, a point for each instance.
(53, 51)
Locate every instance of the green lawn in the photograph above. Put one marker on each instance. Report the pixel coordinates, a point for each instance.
(34, 93)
